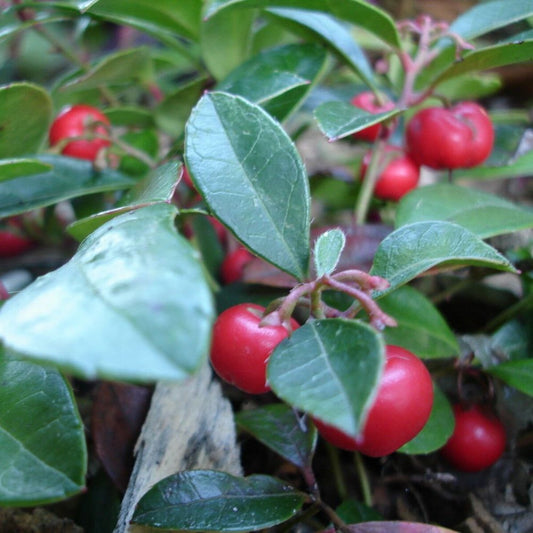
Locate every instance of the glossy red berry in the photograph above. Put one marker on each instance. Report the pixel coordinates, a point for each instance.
(478, 439)
(400, 410)
(368, 102)
(459, 137)
(398, 173)
(240, 347)
(76, 121)
(13, 241)
(232, 266)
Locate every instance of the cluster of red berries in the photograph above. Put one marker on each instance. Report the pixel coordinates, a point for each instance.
(439, 138)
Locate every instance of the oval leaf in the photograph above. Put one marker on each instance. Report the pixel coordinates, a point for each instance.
(157, 187)
(43, 456)
(132, 304)
(517, 374)
(328, 250)
(252, 178)
(411, 250)
(340, 119)
(358, 12)
(480, 212)
(281, 429)
(277, 79)
(25, 114)
(207, 500)
(421, 328)
(329, 368)
(13, 168)
(336, 35)
(438, 428)
(68, 178)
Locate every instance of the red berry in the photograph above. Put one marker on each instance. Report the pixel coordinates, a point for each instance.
(4, 295)
(76, 121)
(233, 265)
(367, 101)
(459, 137)
(478, 439)
(399, 175)
(240, 347)
(13, 242)
(399, 412)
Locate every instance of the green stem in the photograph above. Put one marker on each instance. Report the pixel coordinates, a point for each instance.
(333, 454)
(368, 184)
(363, 479)
(509, 313)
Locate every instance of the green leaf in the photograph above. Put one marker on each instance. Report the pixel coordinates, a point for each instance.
(487, 58)
(158, 187)
(336, 35)
(489, 16)
(438, 428)
(328, 250)
(164, 17)
(25, 114)
(330, 369)
(358, 12)
(339, 119)
(421, 328)
(482, 213)
(279, 427)
(121, 68)
(132, 304)
(207, 500)
(172, 113)
(352, 511)
(68, 178)
(415, 248)
(277, 79)
(43, 456)
(225, 40)
(517, 374)
(14, 168)
(520, 167)
(252, 178)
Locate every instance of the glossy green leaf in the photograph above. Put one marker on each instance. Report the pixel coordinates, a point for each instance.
(43, 456)
(158, 187)
(328, 250)
(14, 168)
(225, 40)
(514, 339)
(352, 511)
(489, 16)
(132, 304)
(522, 166)
(482, 213)
(334, 34)
(329, 368)
(155, 18)
(358, 12)
(339, 119)
(172, 113)
(25, 114)
(68, 178)
(207, 500)
(415, 248)
(131, 116)
(252, 178)
(277, 79)
(487, 58)
(121, 68)
(421, 328)
(517, 374)
(438, 428)
(281, 429)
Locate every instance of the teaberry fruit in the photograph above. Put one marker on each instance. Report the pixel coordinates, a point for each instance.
(240, 346)
(398, 173)
(77, 121)
(400, 409)
(368, 102)
(231, 269)
(459, 137)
